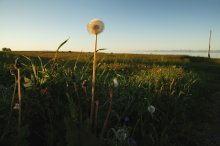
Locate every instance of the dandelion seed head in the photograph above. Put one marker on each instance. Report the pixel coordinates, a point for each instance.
(95, 26)
(151, 109)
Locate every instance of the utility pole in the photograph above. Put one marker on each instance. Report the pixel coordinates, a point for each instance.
(210, 35)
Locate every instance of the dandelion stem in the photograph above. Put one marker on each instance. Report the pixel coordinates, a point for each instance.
(93, 81)
(19, 100)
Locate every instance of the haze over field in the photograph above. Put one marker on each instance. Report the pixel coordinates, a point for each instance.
(130, 25)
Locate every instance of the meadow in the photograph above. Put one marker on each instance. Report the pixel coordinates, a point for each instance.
(140, 100)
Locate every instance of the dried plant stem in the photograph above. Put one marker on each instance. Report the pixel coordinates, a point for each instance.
(96, 116)
(19, 100)
(93, 82)
(108, 114)
(13, 97)
(67, 88)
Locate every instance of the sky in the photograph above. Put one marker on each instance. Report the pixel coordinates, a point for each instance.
(130, 25)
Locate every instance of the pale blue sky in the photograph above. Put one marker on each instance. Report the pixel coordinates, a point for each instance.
(130, 25)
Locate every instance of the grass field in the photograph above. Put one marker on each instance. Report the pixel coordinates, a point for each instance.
(157, 100)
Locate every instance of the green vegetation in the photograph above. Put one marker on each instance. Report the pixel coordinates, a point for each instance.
(157, 100)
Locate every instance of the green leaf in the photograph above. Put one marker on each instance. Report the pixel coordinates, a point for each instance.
(27, 83)
(34, 71)
(41, 64)
(100, 50)
(181, 93)
(59, 48)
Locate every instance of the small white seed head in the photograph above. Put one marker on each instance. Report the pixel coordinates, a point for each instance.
(151, 109)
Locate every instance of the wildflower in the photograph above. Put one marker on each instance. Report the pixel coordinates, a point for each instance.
(95, 26)
(151, 109)
(115, 82)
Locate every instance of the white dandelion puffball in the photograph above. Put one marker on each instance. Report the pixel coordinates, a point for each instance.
(95, 26)
(151, 109)
(115, 82)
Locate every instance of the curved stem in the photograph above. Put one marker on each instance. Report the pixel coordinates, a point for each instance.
(13, 97)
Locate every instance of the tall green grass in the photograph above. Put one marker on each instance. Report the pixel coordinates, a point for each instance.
(56, 104)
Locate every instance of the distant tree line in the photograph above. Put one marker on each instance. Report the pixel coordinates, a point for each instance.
(6, 49)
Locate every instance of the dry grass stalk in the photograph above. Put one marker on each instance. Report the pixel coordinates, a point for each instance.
(108, 114)
(96, 116)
